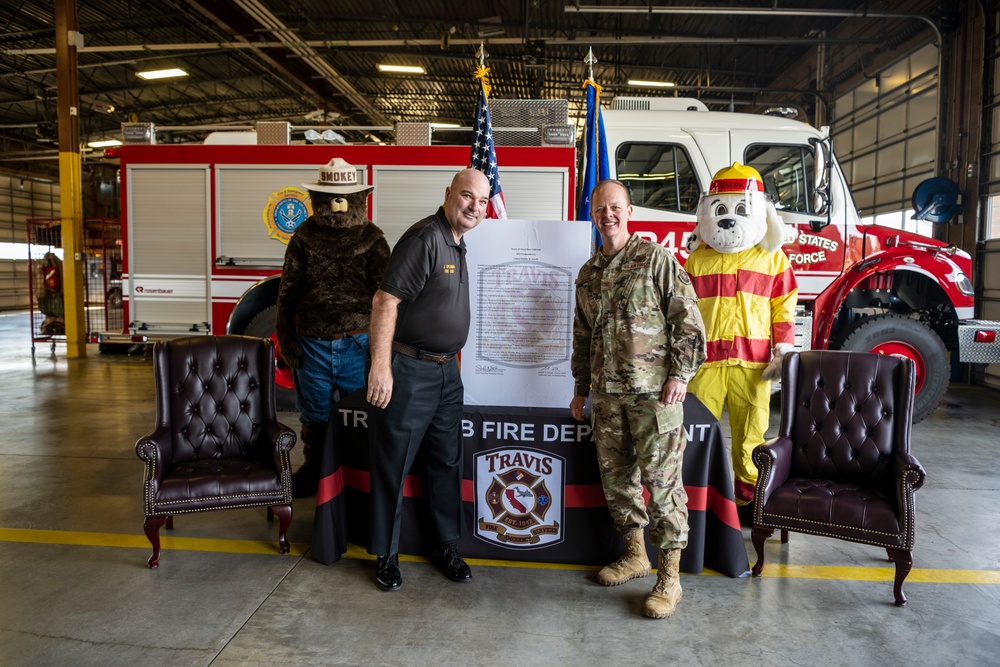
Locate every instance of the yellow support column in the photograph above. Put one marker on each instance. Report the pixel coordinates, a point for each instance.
(70, 178)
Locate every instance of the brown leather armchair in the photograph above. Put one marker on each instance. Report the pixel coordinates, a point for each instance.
(217, 443)
(841, 464)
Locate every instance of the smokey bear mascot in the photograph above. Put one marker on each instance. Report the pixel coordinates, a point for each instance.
(333, 265)
(747, 294)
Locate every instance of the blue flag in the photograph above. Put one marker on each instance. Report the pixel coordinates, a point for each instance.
(595, 158)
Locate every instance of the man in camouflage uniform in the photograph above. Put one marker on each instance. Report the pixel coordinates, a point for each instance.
(638, 338)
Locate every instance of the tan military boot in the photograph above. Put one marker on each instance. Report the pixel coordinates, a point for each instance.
(632, 565)
(666, 595)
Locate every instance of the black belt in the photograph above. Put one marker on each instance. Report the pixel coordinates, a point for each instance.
(411, 351)
(338, 336)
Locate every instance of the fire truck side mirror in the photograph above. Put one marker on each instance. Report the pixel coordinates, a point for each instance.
(821, 178)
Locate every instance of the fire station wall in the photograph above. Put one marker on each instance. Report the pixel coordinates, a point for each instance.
(21, 199)
(884, 132)
(989, 299)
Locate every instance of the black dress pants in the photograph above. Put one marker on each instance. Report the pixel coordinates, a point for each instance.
(425, 412)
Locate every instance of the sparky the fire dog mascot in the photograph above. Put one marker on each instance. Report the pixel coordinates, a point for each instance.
(746, 293)
(334, 263)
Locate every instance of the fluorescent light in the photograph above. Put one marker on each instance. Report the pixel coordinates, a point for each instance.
(104, 143)
(441, 126)
(161, 74)
(651, 84)
(402, 69)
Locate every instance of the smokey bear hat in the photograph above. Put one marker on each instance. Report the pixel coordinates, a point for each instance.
(338, 177)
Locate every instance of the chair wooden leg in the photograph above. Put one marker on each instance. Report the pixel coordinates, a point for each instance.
(284, 514)
(784, 537)
(759, 535)
(270, 514)
(170, 522)
(904, 563)
(152, 528)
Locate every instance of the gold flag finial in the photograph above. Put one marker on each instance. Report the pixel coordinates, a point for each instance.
(482, 72)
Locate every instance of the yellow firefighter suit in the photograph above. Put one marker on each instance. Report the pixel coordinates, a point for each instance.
(747, 300)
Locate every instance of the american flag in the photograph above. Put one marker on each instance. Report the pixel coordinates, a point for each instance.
(484, 156)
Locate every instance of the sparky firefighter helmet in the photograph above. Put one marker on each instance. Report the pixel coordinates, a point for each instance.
(732, 215)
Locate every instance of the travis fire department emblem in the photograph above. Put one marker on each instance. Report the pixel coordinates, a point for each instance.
(519, 498)
(286, 209)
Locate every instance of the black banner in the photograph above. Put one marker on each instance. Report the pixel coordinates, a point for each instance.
(531, 491)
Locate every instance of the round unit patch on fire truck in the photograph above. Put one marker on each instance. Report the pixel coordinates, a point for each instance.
(519, 498)
(286, 209)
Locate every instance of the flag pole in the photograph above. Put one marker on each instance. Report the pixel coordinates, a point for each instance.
(596, 163)
(483, 156)
(589, 62)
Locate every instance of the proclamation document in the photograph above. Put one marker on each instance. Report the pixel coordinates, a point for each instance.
(522, 290)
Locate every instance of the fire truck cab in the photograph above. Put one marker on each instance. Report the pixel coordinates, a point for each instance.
(861, 287)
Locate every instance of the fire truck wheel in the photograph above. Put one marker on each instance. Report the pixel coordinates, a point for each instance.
(903, 336)
(262, 326)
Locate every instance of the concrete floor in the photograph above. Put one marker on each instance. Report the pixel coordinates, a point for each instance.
(75, 588)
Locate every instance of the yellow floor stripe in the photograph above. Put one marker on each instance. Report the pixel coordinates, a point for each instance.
(167, 542)
(777, 571)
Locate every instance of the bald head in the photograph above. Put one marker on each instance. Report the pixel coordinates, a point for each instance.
(470, 177)
(465, 201)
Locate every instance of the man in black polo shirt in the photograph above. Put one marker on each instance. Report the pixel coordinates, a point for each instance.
(420, 320)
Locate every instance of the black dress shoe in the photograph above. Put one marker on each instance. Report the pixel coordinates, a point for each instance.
(387, 574)
(452, 564)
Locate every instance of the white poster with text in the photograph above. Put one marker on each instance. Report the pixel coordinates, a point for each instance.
(522, 275)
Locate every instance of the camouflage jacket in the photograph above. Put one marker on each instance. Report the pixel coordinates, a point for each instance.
(637, 322)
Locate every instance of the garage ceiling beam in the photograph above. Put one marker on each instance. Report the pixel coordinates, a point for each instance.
(747, 11)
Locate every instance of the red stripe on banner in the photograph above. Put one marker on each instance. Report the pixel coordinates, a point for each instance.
(357, 479)
(723, 508)
(755, 349)
(330, 487)
(583, 495)
(413, 486)
(697, 498)
(575, 496)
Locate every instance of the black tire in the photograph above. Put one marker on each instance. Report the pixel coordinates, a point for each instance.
(262, 326)
(881, 332)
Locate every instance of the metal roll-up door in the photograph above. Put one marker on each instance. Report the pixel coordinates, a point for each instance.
(168, 237)
(885, 133)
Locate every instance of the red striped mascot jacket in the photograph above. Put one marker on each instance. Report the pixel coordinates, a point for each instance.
(747, 300)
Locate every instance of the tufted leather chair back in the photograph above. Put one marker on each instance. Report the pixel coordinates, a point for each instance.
(844, 412)
(216, 444)
(213, 395)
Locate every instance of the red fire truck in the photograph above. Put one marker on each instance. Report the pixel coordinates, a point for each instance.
(204, 226)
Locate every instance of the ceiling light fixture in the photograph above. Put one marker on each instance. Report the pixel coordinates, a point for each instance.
(442, 126)
(161, 74)
(651, 84)
(402, 69)
(104, 143)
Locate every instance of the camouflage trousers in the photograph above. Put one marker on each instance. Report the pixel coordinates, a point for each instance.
(640, 442)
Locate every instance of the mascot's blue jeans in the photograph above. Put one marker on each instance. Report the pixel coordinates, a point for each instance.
(331, 369)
